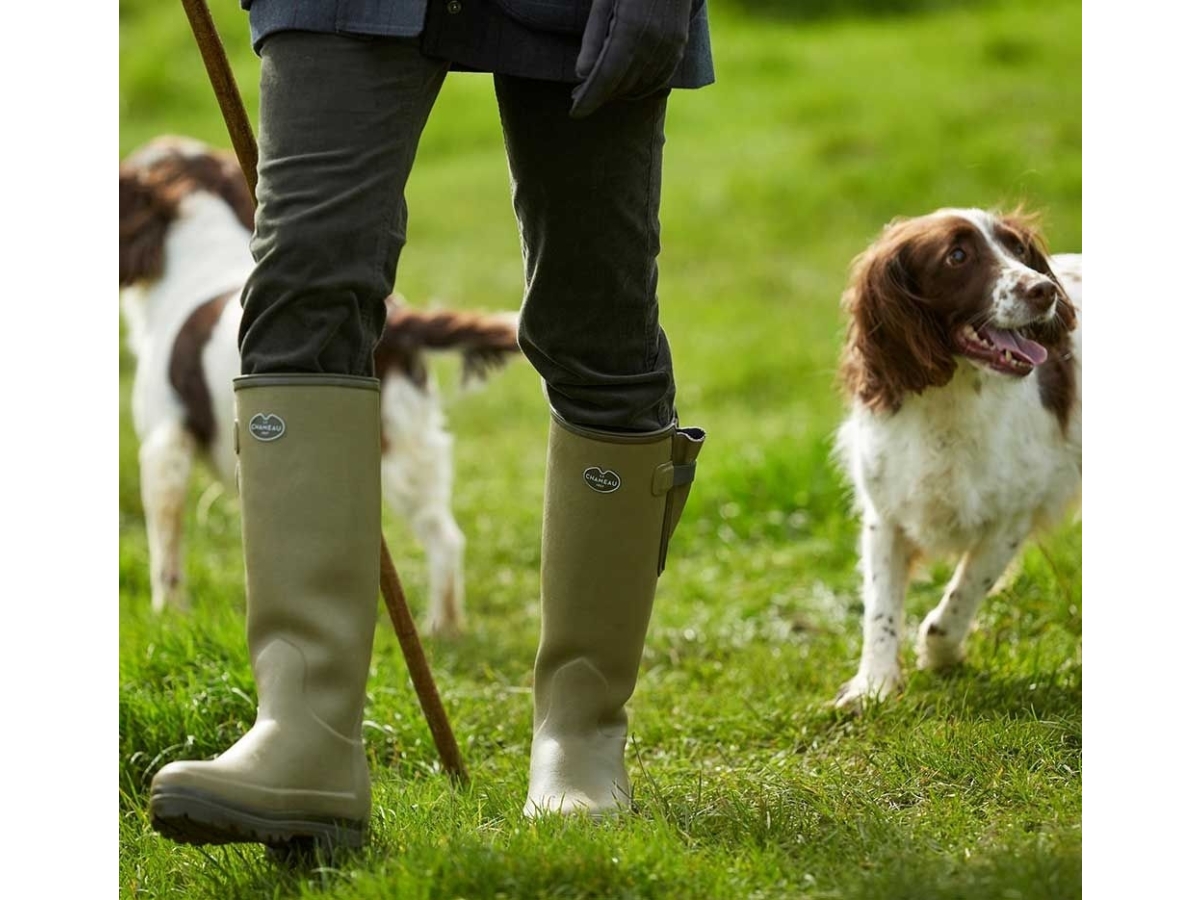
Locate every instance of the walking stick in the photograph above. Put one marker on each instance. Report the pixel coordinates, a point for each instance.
(244, 145)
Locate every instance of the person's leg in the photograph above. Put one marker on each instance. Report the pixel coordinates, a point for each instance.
(586, 194)
(340, 122)
(618, 469)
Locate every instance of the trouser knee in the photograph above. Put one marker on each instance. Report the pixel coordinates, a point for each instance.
(616, 378)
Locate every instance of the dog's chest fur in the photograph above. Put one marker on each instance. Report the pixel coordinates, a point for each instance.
(957, 461)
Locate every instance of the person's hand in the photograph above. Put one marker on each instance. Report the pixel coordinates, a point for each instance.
(630, 49)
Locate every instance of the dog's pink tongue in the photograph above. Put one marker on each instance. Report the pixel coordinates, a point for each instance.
(1030, 351)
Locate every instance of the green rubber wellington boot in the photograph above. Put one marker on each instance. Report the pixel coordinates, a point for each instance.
(308, 473)
(612, 503)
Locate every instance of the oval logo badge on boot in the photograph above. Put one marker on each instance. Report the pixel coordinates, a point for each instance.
(601, 480)
(267, 427)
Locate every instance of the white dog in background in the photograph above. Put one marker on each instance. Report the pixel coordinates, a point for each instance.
(186, 217)
(963, 363)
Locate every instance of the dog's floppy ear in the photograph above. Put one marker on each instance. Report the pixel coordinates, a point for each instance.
(1028, 228)
(145, 215)
(895, 343)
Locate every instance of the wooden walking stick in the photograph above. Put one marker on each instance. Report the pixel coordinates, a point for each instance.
(246, 148)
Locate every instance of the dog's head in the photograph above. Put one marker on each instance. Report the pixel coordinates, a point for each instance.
(155, 180)
(955, 284)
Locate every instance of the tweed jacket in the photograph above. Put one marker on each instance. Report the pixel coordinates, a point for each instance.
(528, 38)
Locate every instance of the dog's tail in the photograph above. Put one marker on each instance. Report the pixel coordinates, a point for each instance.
(485, 340)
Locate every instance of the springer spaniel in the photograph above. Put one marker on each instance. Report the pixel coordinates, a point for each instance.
(186, 219)
(963, 363)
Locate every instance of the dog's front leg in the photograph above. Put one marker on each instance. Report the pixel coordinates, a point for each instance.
(164, 467)
(886, 557)
(940, 640)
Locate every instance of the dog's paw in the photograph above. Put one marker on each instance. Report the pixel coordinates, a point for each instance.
(440, 625)
(170, 595)
(935, 648)
(863, 689)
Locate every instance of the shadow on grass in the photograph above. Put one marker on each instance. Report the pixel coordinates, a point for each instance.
(1038, 869)
(978, 694)
(962, 694)
(599, 861)
(251, 870)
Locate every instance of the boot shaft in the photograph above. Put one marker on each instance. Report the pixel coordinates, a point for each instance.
(309, 478)
(611, 503)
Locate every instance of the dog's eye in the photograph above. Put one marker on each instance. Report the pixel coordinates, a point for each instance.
(1020, 250)
(957, 256)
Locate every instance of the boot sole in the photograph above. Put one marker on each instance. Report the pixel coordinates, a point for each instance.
(192, 817)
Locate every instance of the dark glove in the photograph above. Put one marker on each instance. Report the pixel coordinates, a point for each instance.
(630, 49)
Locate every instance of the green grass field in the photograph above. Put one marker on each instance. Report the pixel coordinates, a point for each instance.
(818, 131)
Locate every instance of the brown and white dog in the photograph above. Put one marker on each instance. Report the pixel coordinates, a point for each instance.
(963, 364)
(186, 218)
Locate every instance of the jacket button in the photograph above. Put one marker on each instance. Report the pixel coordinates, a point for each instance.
(454, 7)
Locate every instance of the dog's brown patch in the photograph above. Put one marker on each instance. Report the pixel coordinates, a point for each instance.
(1057, 386)
(186, 371)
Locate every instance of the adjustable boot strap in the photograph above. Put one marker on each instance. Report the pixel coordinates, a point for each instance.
(681, 470)
(674, 479)
(671, 475)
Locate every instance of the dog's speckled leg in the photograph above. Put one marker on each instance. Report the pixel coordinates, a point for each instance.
(940, 641)
(886, 557)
